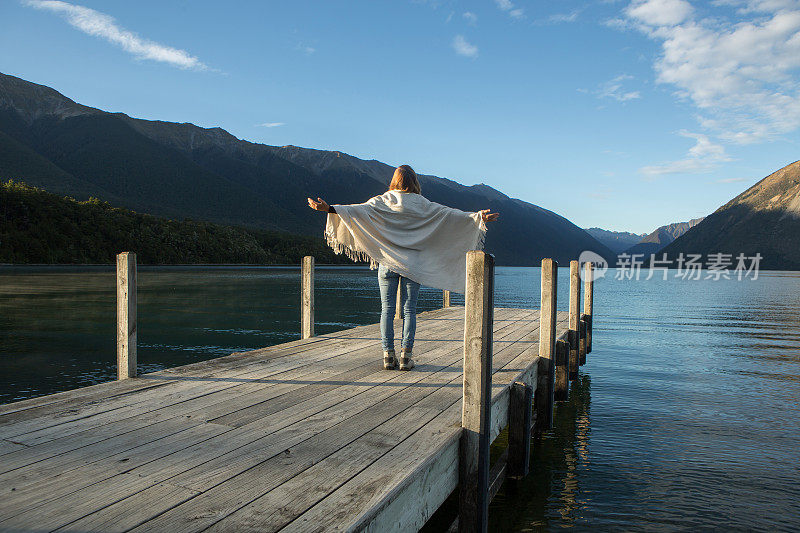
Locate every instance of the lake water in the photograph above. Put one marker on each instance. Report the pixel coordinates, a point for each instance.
(685, 417)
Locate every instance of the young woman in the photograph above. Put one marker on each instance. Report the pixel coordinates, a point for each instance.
(411, 241)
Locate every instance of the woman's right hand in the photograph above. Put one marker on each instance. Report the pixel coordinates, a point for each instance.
(488, 216)
(319, 204)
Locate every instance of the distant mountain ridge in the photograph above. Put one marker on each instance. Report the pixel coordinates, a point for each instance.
(185, 171)
(617, 241)
(661, 237)
(764, 219)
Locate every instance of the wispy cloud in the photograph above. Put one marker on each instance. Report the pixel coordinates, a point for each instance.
(308, 50)
(104, 26)
(704, 156)
(559, 18)
(739, 72)
(732, 180)
(613, 89)
(470, 17)
(271, 124)
(509, 7)
(463, 47)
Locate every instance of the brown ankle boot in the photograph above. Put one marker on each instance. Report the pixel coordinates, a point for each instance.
(406, 362)
(389, 360)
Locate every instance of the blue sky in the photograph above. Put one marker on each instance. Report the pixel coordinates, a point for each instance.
(621, 114)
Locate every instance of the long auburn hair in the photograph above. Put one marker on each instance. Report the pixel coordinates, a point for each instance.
(405, 179)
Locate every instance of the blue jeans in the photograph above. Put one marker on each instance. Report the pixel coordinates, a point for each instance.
(387, 281)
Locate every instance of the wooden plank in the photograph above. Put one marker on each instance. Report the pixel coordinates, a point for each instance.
(126, 315)
(307, 423)
(49, 464)
(119, 517)
(307, 297)
(138, 493)
(398, 492)
(63, 400)
(449, 391)
(445, 299)
(224, 498)
(519, 430)
(498, 473)
(50, 403)
(278, 507)
(35, 491)
(181, 409)
(8, 447)
(473, 461)
(42, 429)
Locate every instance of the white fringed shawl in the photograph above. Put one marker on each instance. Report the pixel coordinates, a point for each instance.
(408, 234)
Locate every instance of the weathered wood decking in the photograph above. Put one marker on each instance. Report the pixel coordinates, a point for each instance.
(309, 435)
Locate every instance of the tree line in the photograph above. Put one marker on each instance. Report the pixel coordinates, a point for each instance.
(38, 227)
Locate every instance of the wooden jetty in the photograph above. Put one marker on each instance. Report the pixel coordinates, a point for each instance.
(310, 435)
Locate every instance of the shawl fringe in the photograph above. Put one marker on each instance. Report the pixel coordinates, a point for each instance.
(349, 252)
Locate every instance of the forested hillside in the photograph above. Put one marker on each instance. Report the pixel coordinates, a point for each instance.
(40, 227)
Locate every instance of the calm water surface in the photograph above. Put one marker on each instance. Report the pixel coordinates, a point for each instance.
(685, 417)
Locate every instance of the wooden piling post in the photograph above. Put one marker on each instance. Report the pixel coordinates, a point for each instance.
(519, 429)
(561, 386)
(476, 411)
(574, 318)
(588, 300)
(582, 340)
(307, 297)
(445, 298)
(126, 315)
(547, 345)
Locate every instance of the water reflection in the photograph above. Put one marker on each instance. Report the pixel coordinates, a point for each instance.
(552, 493)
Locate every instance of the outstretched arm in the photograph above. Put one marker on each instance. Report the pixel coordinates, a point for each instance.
(320, 205)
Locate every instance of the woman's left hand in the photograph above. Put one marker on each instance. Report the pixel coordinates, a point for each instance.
(319, 204)
(488, 216)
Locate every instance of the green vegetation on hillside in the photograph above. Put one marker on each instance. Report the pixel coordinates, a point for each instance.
(40, 227)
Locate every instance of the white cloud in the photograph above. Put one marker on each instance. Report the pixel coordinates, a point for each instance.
(101, 25)
(732, 180)
(659, 12)
(560, 18)
(572, 16)
(470, 17)
(613, 90)
(740, 74)
(509, 7)
(463, 47)
(271, 124)
(704, 156)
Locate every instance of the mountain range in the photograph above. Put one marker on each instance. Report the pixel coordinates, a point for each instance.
(617, 241)
(182, 171)
(764, 219)
(646, 243)
(661, 237)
